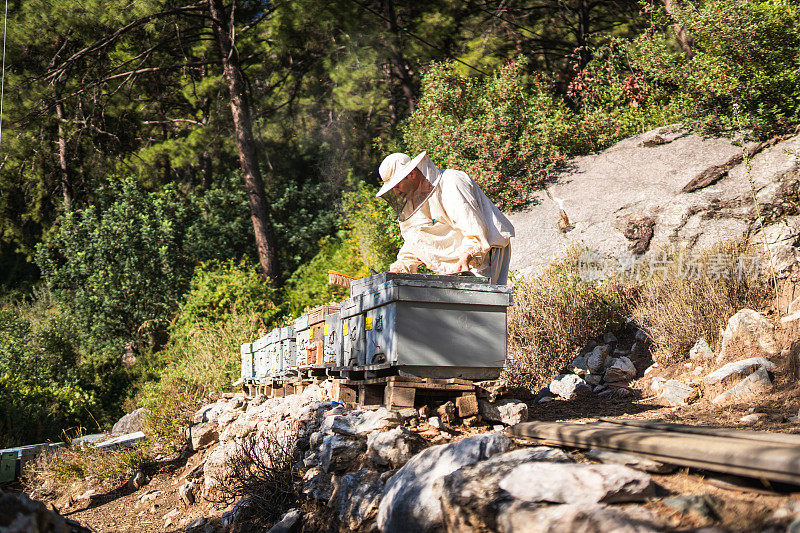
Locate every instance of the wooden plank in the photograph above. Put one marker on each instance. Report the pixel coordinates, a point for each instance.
(467, 405)
(763, 436)
(395, 397)
(758, 459)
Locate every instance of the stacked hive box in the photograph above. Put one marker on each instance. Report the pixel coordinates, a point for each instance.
(316, 333)
(301, 338)
(353, 333)
(288, 348)
(261, 358)
(248, 368)
(332, 350)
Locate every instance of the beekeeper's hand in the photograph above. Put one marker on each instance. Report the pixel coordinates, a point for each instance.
(463, 263)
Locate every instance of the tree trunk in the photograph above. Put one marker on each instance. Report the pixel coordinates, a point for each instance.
(399, 63)
(240, 109)
(66, 186)
(684, 39)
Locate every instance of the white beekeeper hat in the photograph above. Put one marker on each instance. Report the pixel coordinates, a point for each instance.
(394, 168)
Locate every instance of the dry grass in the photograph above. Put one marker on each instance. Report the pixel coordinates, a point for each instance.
(693, 297)
(554, 315)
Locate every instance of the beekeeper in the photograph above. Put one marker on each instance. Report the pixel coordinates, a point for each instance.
(446, 220)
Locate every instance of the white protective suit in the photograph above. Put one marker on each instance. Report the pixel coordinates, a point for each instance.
(457, 218)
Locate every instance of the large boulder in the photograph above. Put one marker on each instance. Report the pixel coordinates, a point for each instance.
(748, 333)
(411, 498)
(338, 453)
(596, 360)
(210, 412)
(674, 392)
(131, 423)
(737, 370)
(361, 423)
(471, 495)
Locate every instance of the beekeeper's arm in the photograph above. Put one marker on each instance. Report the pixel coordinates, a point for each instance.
(461, 206)
(406, 260)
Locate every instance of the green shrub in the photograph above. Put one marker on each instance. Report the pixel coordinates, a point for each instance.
(554, 314)
(745, 53)
(507, 133)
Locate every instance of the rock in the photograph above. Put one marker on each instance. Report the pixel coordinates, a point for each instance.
(424, 411)
(751, 418)
(754, 385)
(216, 468)
(447, 413)
(656, 384)
(704, 505)
(701, 351)
(356, 498)
(588, 347)
(390, 448)
(131, 423)
(630, 460)
(186, 492)
(620, 369)
(578, 366)
(737, 370)
(338, 452)
(650, 368)
(470, 495)
(137, 480)
(203, 435)
(361, 423)
(287, 522)
(435, 422)
(609, 338)
(532, 518)
(596, 362)
(21, 514)
(411, 497)
(240, 428)
(210, 412)
(317, 484)
(196, 524)
(509, 412)
(593, 379)
(569, 386)
(408, 413)
(674, 392)
(577, 483)
(747, 333)
(467, 406)
(641, 336)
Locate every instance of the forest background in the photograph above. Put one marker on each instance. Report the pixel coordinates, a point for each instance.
(177, 178)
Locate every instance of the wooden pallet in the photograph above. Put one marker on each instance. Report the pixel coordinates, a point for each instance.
(398, 392)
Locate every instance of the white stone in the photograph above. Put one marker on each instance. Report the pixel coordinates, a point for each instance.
(739, 369)
(701, 351)
(752, 386)
(568, 386)
(596, 362)
(620, 369)
(577, 483)
(508, 411)
(655, 385)
(390, 448)
(675, 392)
(650, 368)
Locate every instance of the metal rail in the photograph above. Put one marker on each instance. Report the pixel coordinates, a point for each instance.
(744, 454)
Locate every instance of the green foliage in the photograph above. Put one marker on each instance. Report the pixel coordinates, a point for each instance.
(506, 133)
(746, 53)
(220, 289)
(369, 238)
(123, 265)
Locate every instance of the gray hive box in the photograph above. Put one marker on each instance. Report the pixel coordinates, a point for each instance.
(247, 361)
(433, 326)
(332, 351)
(287, 354)
(301, 339)
(261, 357)
(354, 351)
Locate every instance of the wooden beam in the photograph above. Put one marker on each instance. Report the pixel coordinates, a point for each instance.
(732, 455)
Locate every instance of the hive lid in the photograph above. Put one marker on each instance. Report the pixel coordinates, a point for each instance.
(301, 323)
(318, 314)
(479, 283)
